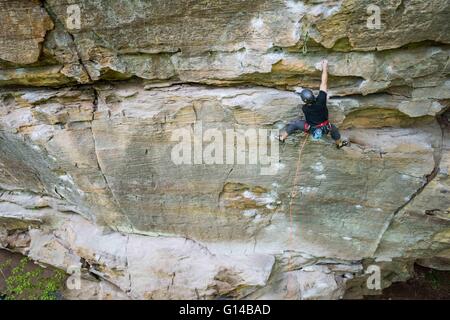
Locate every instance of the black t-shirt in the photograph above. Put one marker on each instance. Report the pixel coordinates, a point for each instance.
(317, 112)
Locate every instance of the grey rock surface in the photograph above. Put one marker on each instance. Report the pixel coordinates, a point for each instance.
(89, 119)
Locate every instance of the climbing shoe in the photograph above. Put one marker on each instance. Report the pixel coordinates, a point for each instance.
(342, 144)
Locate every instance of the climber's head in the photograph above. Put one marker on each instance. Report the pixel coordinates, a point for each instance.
(307, 96)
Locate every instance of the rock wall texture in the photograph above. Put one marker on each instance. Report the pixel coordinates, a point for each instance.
(88, 114)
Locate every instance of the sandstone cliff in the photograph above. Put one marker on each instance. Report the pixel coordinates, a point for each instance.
(87, 114)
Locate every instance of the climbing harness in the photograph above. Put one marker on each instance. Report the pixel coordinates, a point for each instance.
(326, 124)
(318, 131)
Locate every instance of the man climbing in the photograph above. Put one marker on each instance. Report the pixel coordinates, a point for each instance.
(316, 114)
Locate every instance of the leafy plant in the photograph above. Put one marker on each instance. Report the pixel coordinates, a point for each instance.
(30, 285)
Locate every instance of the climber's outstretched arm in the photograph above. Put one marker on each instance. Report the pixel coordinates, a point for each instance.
(324, 83)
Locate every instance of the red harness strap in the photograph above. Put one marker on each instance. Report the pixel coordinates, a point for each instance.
(320, 125)
(323, 124)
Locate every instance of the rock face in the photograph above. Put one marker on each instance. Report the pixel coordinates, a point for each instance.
(24, 26)
(90, 123)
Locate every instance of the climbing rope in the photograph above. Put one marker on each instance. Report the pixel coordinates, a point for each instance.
(291, 281)
(294, 192)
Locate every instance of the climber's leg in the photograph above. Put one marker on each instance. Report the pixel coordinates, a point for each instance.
(336, 136)
(292, 127)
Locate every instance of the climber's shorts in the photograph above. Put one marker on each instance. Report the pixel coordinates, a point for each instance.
(305, 127)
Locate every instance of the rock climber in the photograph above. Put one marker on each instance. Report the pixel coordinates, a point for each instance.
(316, 114)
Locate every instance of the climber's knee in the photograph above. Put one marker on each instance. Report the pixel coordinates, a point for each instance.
(295, 125)
(335, 135)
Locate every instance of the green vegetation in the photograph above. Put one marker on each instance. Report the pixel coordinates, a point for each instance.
(21, 284)
(432, 277)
